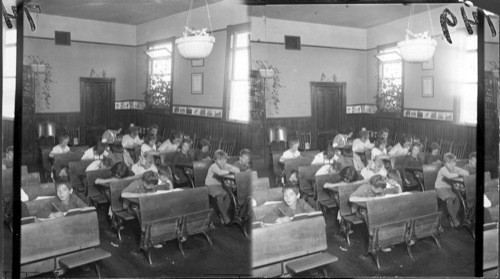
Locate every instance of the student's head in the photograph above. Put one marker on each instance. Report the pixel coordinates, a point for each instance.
(175, 137)
(347, 131)
(150, 179)
(415, 148)
(146, 161)
(153, 129)
(245, 156)
(378, 183)
(9, 152)
(473, 159)
(220, 157)
(393, 177)
(348, 174)
(117, 148)
(434, 148)
(406, 141)
(293, 144)
(363, 135)
(335, 167)
(347, 151)
(203, 145)
(150, 139)
(291, 194)
(64, 139)
(106, 163)
(330, 152)
(99, 148)
(120, 170)
(350, 141)
(133, 131)
(185, 145)
(383, 133)
(376, 165)
(164, 171)
(450, 160)
(380, 143)
(64, 189)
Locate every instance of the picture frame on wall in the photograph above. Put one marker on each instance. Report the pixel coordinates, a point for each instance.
(198, 62)
(428, 65)
(197, 83)
(427, 87)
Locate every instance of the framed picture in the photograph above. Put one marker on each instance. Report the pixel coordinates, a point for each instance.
(428, 65)
(427, 87)
(197, 83)
(197, 62)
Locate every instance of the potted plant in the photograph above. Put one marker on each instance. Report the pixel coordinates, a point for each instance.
(43, 70)
(158, 94)
(195, 44)
(266, 70)
(268, 91)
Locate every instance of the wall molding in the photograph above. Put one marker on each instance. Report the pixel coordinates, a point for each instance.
(199, 111)
(441, 115)
(130, 105)
(361, 109)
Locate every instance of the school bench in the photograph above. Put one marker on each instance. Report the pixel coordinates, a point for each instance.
(77, 173)
(118, 213)
(292, 165)
(63, 160)
(174, 215)
(242, 200)
(289, 248)
(60, 244)
(95, 195)
(307, 179)
(44, 189)
(468, 202)
(200, 171)
(490, 250)
(402, 219)
(268, 195)
(322, 198)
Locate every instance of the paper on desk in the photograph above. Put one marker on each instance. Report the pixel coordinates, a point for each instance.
(43, 197)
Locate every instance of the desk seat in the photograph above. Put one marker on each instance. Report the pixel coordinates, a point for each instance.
(310, 262)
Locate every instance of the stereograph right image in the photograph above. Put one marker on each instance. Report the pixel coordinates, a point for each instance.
(370, 114)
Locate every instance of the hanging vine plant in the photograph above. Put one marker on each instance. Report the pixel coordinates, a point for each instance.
(44, 80)
(268, 91)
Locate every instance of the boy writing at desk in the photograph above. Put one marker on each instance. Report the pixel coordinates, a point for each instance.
(65, 200)
(291, 205)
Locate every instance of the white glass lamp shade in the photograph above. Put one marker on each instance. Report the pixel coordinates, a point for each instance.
(266, 73)
(417, 50)
(195, 47)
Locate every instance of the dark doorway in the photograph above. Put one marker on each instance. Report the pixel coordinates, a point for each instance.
(328, 102)
(97, 104)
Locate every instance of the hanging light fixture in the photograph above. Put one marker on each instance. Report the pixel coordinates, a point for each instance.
(195, 44)
(266, 72)
(421, 47)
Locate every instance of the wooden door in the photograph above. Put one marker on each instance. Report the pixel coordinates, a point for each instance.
(328, 102)
(97, 106)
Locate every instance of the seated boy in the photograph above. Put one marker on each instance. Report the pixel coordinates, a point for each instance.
(214, 184)
(8, 160)
(148, 184)
(443, 189)
(291, 205)
(143, 165)
(65, 200)
(62, 147)
(97, 152)
(374, 168)
(131, 139)
(326, 157)
(244, 163)
(471, 166)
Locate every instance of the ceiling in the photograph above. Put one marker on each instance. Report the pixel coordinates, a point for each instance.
(131, 12)
(354, 15)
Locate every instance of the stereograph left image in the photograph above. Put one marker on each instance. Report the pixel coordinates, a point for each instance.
(115, 183)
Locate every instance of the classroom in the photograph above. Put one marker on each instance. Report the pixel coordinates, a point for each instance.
(225, 138)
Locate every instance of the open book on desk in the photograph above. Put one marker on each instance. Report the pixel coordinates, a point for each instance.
(75, 211)
(301, 216)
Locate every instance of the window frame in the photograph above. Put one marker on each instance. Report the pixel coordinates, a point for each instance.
(149, 67)
(9, 77)
(232, 31)
(458, 98)
(380, 66)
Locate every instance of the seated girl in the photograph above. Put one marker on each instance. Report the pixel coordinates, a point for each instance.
(346, 157)
(203, 151)
(340, 140)
(62, 147)
(432, 154)
(143, 165)
(65, 200)
(293, 152)
(171, 144)
(379, 149)
(333, 168)
(118, 172)
(373, 168)
(148, 147)
(182, 159)
(111, 135)
(244, 162)
(326, 157)
(412, 166)
(98, 152)
(401, 148)
(394, 180)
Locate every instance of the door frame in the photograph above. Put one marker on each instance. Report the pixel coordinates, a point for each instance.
(111, 87)
(315, 84)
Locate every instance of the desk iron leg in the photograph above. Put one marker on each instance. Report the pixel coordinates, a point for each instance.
(97, 270)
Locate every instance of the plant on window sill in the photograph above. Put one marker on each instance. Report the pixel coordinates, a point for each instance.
(389, 97)
(157, 96)
(40, 67)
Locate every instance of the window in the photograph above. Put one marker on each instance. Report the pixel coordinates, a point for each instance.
(390, 86)
(9, 74)
(467, 99)
(238, 95)
(159, 85)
